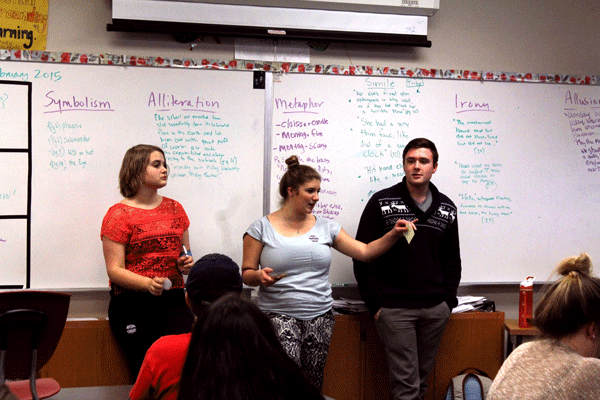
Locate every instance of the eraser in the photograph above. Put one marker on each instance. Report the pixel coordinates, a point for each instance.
(167, 284)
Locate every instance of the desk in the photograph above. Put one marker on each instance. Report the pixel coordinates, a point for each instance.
(516, 333)
(356, 367)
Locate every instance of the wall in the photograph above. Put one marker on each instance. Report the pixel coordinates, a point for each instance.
(556, 36)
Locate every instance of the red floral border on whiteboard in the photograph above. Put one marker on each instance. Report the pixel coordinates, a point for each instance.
(286, 67)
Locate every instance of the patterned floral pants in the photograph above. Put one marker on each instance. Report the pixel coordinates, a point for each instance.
(306, 342)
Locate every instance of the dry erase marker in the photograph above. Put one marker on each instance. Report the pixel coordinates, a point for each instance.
(185, 251)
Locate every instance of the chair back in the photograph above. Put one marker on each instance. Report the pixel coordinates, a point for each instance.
(31, 322)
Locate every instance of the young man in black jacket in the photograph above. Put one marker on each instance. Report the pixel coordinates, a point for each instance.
(411, 290)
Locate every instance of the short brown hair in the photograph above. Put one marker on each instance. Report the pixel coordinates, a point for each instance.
(132, 169)
(296, 175)
(420, 143)
(572, 302)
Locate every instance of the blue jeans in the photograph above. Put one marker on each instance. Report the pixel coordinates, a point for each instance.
(411, 338)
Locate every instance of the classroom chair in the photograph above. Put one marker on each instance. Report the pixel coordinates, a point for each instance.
(31, 324)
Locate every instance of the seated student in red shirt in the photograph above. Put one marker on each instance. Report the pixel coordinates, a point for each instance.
(211, 277)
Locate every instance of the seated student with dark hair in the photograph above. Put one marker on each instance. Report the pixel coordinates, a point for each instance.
(563, 363)
(211, 277)
(235, 354)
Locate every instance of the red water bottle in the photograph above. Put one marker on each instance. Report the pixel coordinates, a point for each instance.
(526, 302)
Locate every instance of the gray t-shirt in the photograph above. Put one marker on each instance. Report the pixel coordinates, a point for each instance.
(305, 293)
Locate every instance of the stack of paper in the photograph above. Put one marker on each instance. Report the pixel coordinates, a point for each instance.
(468, 303)
(349, 306)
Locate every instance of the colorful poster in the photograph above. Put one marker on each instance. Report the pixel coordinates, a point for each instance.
(23, 24)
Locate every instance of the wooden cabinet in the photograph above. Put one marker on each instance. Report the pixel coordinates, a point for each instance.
(88, 355)
(356, 367)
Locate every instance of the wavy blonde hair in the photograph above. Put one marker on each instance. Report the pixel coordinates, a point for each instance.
(571, 302)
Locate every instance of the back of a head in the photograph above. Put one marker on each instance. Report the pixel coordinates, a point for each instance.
(211, 277)
(571, 302)
(234, 354)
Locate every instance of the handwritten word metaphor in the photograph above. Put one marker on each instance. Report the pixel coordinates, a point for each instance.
(166, 102)
(55, 104)
(299, 106)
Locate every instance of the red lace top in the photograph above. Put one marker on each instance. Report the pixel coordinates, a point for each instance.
(152, 238)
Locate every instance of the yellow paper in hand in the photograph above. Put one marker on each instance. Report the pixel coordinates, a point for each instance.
(409, 234)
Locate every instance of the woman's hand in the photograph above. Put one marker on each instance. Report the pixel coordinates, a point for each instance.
(185, 263)
(265, 276)
(156, 285)
(403, 226)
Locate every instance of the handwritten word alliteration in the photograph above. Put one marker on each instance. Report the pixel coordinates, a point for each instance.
(299, 105)
(167, 101)
(72, 103)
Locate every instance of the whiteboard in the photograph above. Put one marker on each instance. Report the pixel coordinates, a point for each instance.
(520, 160)
(210, 123)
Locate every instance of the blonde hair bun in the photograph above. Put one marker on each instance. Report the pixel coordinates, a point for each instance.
(572, 266)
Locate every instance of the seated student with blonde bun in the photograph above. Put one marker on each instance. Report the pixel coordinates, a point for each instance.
(563, 363)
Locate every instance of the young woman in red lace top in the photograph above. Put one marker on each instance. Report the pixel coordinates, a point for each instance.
(142, 239)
